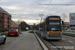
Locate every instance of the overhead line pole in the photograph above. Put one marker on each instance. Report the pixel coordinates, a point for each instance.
(41, 15)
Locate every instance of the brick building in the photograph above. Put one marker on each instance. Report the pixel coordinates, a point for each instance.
(14, 24)
(5, 19)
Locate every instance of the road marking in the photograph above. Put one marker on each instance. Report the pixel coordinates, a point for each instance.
(70, 41)
(63, 39)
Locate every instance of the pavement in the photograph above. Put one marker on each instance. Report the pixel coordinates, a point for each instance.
(27, 41)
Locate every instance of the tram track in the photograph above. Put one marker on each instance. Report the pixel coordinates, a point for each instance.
(50, 44)
(57, 45)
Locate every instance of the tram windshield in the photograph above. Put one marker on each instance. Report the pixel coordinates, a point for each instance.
(54, 28)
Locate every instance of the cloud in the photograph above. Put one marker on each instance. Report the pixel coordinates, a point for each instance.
(30, 10)
(4, 0)
(12, 7)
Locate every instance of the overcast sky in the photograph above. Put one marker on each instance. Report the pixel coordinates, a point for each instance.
(29, 10)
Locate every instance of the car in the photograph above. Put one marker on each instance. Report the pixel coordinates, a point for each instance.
(2, 38)
(12, 32)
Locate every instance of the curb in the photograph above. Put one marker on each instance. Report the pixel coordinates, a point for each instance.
(41, 43)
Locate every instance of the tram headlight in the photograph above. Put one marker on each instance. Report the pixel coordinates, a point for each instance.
(47, 32)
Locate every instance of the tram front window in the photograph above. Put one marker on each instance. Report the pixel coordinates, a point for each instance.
(55, 29)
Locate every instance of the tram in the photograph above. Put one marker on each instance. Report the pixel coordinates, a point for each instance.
(50, 28)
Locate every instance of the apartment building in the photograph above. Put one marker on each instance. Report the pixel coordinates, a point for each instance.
(5, 19)
(14, 24)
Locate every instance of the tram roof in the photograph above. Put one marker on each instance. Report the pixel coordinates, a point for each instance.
(53, 16)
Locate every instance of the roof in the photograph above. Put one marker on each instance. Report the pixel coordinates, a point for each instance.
(3, 11)
(14, 22)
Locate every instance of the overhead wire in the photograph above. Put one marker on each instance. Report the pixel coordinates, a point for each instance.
(46, 7)
(63, 9)
(58, 10)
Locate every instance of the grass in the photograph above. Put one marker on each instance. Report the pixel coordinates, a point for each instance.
(22, 30)
(31, 31)
(4, 33)
(68, 34)
(64, 29)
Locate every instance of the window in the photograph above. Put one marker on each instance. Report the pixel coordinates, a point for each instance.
(5, 23)
(5, 19)
(0, 34)
(53, 29)
(0, 24)
(54, 23)
(12, 30)
(5, 15)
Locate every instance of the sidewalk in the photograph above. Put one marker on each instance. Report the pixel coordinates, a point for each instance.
(27, 41)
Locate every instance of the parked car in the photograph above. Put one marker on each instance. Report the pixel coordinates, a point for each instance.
(13, 32)
(2, 38)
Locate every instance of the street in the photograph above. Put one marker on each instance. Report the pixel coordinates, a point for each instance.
(67, 43)
(26, 41)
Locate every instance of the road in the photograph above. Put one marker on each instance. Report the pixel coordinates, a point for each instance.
(68, 32)
(27, 41)
(68, 40)
(9, 40)
(67, 43)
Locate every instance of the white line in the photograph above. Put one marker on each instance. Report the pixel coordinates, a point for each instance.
(63, 39)
(70, 41)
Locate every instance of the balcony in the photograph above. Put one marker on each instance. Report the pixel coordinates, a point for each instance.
(0, 24)
(0, 20)
(0, 16)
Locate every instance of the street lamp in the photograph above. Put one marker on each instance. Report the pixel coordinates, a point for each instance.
(41, 15)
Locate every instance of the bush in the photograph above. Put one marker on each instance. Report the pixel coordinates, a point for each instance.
(4, 29)
(31, 31)
(4, 33)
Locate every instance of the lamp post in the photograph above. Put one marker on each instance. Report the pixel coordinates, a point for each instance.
(41, 15)
(37, 23)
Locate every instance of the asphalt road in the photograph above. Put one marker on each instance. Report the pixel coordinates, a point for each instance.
(67, 43)
(9, 40)
(27, 41)
(68, 40)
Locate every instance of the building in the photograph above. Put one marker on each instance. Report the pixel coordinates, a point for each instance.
(5, 19)
(23, 25)
(14, 24)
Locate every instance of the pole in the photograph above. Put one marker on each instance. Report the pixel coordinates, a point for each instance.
(41, 16)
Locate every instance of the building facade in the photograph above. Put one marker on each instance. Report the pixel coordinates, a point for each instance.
(5, 19)
(14, 25)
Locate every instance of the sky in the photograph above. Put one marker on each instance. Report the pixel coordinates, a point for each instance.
(29, 10)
